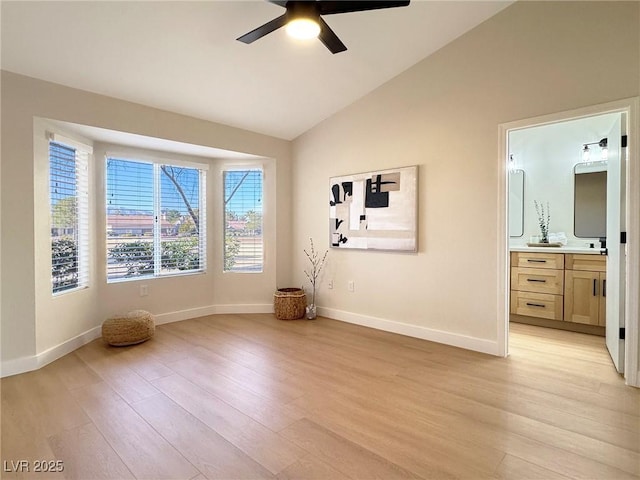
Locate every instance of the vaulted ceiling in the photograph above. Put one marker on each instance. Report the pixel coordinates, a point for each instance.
(183, 56)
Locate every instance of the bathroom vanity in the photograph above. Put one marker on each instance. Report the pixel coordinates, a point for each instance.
(559, 287)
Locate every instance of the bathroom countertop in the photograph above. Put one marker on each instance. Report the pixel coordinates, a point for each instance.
(563, 249)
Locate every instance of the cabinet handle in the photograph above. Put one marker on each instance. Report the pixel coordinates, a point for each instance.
(533, 260)
(536, 280)
(595, 287)
(604, 287)
(536, 305)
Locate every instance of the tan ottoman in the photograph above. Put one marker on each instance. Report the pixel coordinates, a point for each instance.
(129, 329)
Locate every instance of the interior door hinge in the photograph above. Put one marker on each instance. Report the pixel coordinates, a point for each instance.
(621, 333)
(623, 141)
(623, 237)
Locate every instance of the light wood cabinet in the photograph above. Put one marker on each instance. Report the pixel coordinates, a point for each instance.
(557, 286)
(537, 284)
(585, 289)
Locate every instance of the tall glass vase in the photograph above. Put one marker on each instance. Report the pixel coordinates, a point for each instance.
(311, 312)
(311, 308)
(544, 238)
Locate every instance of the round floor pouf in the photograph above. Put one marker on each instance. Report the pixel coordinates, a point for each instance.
(289, 303)
(128, 329)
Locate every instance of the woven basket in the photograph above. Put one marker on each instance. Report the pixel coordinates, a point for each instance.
(289, 303)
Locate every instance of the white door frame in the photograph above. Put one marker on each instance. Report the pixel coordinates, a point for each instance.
(631, 107)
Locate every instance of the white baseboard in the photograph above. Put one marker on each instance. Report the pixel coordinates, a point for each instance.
(18, 365)
(34, 362)
(27, 364)
(211, 310)
(69, 346)
(439, 336)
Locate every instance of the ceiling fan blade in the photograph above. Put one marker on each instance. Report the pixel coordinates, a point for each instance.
(282, 3)
(329, 38)
(263, 30)
(330, 7)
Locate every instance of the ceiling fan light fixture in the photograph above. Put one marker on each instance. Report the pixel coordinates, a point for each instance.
(303, 28)
(303, 19)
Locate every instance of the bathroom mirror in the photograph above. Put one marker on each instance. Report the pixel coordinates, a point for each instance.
(590, 200)
(516, 203)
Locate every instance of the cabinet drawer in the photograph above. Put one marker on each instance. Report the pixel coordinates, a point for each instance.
(586, 262)
(537, 260)
(537, 280)
(539, 305)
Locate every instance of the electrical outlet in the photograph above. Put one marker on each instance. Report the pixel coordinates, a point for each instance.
(144, 290)
(330, 284)
(351, 286)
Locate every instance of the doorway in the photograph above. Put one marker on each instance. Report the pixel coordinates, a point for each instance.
(543, 153)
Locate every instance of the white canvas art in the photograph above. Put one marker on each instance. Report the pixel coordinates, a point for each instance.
(375, 210)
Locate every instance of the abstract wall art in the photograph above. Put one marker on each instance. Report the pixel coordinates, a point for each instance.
(375, 211)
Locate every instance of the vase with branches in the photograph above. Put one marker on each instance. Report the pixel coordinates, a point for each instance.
(312, 273)
(543, 220)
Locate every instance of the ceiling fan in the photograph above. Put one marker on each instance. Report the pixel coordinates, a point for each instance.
(303, 19)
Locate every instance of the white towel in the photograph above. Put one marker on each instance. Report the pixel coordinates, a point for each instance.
(559, 237)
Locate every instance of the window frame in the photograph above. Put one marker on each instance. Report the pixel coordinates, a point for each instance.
(243, 168)
(156, 180)
(81, 226)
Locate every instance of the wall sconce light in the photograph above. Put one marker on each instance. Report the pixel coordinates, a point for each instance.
(604, 151)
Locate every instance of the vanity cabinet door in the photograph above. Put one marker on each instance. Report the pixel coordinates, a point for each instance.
(584, 297)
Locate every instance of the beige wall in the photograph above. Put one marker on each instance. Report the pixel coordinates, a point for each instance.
(443, 114)
(33, 322)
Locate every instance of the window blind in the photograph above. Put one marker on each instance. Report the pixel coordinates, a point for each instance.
(155, 219)
(69, 209)
(243, 240)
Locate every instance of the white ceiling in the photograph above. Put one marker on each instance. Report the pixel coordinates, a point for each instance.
(183, 56)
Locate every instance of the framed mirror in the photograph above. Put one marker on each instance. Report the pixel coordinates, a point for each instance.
(590, 200)
(516, 203)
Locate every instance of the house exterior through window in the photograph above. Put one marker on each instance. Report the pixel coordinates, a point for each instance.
(156, 221)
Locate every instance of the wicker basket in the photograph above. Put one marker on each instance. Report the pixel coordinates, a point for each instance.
(289, 303)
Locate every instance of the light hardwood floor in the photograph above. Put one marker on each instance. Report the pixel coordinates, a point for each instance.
(249, 397)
